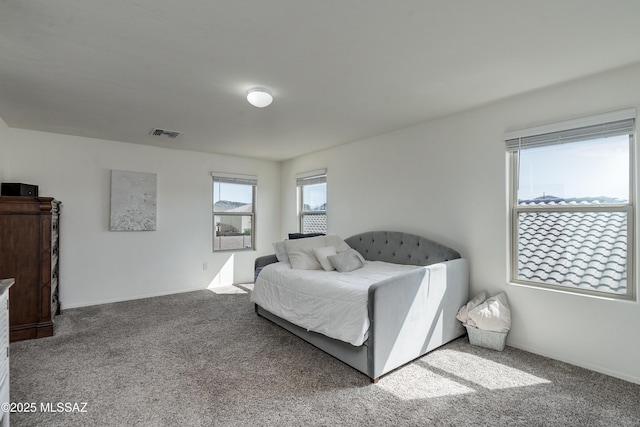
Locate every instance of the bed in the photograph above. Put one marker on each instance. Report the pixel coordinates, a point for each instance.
(409, 306)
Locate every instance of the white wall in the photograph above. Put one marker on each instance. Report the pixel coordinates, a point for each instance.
(99, 266)
(447, 180)
(4, 148)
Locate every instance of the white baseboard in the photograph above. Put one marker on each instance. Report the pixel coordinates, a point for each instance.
(580, 363)
(130, 298)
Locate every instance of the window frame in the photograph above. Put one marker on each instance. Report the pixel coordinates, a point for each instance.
(310, 178)
(515, 210)
(227, 178)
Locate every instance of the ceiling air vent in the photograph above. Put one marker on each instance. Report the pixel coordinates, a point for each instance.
(172, 134)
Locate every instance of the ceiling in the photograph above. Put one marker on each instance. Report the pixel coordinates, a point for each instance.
(339, 70)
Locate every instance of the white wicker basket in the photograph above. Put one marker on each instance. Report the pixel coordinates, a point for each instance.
(487, 339)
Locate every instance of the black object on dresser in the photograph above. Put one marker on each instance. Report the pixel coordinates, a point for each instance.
(29, 230)
(18, 189)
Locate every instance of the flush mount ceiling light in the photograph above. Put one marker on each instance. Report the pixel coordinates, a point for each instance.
(259, 97)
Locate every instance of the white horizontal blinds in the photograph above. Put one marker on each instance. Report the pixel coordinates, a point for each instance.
(620, 123)
(312, 180)
(623, 127)
(313, 177)
(234, 178)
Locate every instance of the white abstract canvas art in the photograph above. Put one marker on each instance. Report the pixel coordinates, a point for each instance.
(133, 201)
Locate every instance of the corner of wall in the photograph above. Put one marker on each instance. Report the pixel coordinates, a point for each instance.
(4, 149)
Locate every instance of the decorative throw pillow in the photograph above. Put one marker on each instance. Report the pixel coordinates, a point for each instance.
(337, 242)
(281, 251)
(301, 255)
(300, 251)
(322, 254)
(347, 261)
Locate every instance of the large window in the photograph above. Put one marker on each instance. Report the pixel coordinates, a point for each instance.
(572, 208)
(312, 196)
(233, 211)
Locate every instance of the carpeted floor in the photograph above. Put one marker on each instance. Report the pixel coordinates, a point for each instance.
(206, 359)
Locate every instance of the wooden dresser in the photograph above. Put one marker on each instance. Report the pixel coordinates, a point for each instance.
(29, 230)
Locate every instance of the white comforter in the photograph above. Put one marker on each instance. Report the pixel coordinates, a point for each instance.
(328, 302)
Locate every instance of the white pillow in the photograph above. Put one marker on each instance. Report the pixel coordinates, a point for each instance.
(337, 242)
(281, 251)
(322, 254)
(493, 315)
(300, 252)
(347, 261)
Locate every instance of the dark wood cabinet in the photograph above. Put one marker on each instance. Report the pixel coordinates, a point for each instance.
(29, 249)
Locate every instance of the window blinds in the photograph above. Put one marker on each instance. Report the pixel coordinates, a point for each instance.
(313, 177)
(619, 123)
(229, 178)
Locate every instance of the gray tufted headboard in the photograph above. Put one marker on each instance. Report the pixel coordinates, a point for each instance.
(400, 248)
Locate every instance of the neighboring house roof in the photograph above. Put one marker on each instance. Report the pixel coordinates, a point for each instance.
(322, 207)
(222, 206)
(243, 208)
(587, 250)
(553, 200)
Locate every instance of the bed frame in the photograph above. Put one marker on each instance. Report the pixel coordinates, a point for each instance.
(409, 315)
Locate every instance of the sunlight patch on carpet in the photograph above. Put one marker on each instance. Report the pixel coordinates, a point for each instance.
(246, 286)
(484, 372)
(415, 382)
(225, 290)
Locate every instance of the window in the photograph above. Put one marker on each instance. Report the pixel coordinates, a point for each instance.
(572, 208)
(312, 196)
(234, 204)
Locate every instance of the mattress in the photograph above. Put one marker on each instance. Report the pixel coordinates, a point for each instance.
(328, 302)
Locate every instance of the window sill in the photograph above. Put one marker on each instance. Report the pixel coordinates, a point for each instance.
(603, 297)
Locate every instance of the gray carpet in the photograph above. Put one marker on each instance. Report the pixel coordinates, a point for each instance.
(205, 359)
